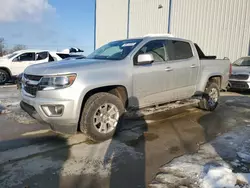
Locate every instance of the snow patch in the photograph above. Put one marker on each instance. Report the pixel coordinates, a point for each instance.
(218, 177)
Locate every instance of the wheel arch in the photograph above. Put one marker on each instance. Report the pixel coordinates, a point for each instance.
(118, 90)
(7, 70)
(215, 79)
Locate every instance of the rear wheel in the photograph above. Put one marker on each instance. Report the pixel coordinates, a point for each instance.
(101, 115)
(210, 98)
(4, 77)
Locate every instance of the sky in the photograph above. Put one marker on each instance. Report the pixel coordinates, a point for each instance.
(48, 24)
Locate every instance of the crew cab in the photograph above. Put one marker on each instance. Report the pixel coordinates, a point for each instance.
(92, 94)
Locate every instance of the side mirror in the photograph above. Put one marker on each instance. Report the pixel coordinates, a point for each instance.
(145, 59)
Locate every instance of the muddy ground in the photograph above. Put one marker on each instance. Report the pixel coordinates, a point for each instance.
(33, 156)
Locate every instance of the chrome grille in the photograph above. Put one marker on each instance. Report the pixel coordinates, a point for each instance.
(239, 85)
(239, 76)
(30, 84)
(31, 89)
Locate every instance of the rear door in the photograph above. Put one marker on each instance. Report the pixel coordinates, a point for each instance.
(150, 81)
(185, 67)
(21, 62)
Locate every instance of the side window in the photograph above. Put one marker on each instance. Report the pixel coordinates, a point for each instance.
(25, 57)
(41, 56)
(156, 48)
(178, 50)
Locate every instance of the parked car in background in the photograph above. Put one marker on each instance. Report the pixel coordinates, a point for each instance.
(240, 77)
(13, 64)
(92, 94)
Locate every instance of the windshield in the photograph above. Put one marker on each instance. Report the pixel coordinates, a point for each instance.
(116, 50)
(243, 62)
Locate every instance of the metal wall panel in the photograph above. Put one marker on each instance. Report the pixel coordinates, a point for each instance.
(220, 27)
(147, 18)
(111, 20)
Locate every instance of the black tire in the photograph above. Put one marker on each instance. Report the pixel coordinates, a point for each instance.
(204, 103)
(91, 106)
(6, 75)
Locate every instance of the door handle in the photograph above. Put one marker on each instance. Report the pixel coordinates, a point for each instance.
(168, 69)
(193, 66)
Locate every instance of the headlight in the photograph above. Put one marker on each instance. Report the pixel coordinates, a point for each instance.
(56, 82)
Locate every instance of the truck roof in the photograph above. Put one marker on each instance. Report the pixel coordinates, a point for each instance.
(167, 35)
(152, 36)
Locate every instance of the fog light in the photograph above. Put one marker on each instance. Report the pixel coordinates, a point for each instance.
(53, 110)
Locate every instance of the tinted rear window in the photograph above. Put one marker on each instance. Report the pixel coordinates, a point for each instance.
(178, 50)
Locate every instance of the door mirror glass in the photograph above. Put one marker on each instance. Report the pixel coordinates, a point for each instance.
(144, 59)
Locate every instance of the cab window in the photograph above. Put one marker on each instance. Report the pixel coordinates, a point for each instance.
(42, 56)
(156, 48)
(25, 57)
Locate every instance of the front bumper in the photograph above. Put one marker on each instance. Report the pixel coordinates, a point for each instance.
(239, 84)
(66, 123)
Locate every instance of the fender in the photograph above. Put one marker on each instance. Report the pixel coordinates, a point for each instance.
(6, 69)
(205, 78)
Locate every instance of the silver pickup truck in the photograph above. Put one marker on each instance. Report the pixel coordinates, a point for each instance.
(92, 94)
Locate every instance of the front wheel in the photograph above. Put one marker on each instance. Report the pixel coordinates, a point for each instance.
(101, 115)
(4, 77)
(210, 98)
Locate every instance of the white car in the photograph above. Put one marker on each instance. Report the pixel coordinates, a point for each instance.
(14, 64)
(240, 77)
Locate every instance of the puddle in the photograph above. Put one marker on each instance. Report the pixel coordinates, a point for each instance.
(229, 138)
(133, 143)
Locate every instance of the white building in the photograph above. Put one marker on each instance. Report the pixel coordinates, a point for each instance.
(220, 27)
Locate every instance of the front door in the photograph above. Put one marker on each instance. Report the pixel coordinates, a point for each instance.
(150, 81)
(21, 62)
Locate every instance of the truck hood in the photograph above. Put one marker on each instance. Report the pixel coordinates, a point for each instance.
(63, 67)
(238, 70)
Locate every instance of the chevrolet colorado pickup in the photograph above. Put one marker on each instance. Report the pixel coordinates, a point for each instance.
(92, 94)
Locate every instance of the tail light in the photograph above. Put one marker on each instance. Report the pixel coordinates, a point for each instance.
(230, 69)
